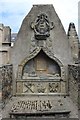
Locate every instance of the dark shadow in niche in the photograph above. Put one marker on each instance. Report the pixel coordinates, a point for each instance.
(41, 65)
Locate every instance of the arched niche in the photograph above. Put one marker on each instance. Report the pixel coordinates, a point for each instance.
(40, 72)
(40, 65)
(38, 51)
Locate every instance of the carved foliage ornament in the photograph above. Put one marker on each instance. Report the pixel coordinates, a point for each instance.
(42, 27)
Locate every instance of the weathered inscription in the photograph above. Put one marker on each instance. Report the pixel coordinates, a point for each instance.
(36, 105)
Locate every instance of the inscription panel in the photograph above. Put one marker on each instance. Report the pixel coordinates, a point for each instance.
(30, 105)
(39, 107)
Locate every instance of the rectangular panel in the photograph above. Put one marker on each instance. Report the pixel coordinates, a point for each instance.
(39, 87)
(41, 64)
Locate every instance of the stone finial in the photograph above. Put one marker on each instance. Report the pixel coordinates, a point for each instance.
(72, 30)
(73, 40)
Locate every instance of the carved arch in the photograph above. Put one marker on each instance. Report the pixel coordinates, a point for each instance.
(33, 54)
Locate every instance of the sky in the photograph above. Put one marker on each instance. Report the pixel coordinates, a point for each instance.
(12, 12)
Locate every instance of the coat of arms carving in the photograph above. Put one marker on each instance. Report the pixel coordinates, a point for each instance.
(42, 27)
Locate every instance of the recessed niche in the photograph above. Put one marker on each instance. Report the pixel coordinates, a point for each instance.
(41, 65)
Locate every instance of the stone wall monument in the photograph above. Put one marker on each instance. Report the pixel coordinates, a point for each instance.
(42, 59)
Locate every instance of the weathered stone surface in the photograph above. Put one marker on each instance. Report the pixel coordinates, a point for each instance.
(74, 90)
(58, 103)
(42, 82)
(6, 83)
(5, 42)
